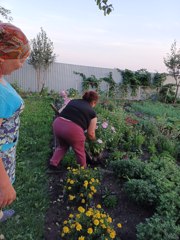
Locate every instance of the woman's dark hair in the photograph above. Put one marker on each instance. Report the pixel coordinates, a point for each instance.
(90, 96)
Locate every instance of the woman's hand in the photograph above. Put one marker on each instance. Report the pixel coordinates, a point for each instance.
(7, 192)
(7, 195)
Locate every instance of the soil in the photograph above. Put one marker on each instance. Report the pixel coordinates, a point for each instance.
(126, 212)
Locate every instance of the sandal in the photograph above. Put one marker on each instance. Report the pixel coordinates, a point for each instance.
(7, 214)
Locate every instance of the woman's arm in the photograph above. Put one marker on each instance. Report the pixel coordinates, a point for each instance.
(91, 129)
(7, 192)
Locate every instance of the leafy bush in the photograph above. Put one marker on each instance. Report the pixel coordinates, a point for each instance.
(128, 168)
(110, 201)
(141, 191)
(158, 228)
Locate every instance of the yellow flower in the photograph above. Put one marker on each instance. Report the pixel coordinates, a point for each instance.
(71, 215)
(90, 195)
(72, 182)
(69, 188)
(81, 209)
(81, 238)
(71, 197)
(78, 227)
(88, 213)
(90, 230)
(112, 234)
(92, 188)
(77, 215)
(98, 206)
(81, 195)
(68, 168)
(83, 200)
(85, 183)
(65, 222)
(92, 180)
(66, 230)
(103, 226)
(119, 225)
(109, 220)
(96, 222)
(68, 180)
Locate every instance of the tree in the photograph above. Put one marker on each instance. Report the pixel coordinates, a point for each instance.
(4, 13)
(104, 6)
(41, 56)
(172, 62)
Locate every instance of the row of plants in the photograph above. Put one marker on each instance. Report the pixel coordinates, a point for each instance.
(87, 219)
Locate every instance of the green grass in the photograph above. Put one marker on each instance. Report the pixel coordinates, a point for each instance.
(31, 184)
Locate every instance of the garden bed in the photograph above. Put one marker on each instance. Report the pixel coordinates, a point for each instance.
(126, 212)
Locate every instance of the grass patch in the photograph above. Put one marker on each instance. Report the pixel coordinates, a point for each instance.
(31, 184)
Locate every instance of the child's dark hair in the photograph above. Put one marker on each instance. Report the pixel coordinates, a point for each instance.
(90, 96)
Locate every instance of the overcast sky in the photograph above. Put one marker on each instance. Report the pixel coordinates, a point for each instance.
(137, 34)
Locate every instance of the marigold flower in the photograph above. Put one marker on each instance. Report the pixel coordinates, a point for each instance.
(96, 222)
(81, 209)
(83, 200)
(90, 195)
(90, 230)
(81, 238)
(65, 222)
(66, 230)
(72, 182)
(109, 220)
(119, 225)
(98, 206)
(71, 197)
(112, 234)
(88, 213)
(71, 215)
(78, 227)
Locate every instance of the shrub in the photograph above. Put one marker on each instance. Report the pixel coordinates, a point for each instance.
(128, 168)
(141, 191)
(158, 228)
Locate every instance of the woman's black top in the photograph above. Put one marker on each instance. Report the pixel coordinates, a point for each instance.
(80, 112)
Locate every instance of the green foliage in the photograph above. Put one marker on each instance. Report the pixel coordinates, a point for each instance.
(89, 82)
(158, 79)
(5, 14)
(72, 93)
(104, 6)
(141, 191)
(167, 93)
(158, 227)
(112, 84)
(127, 168)
(110, 201)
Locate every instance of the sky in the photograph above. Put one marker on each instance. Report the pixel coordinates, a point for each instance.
(137, 34)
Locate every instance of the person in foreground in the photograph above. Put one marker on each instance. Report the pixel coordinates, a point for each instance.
(14, 49)
(77, 117)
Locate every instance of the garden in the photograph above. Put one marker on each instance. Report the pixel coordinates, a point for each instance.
(130, 190)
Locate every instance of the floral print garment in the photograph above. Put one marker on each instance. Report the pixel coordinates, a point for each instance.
(9, 132)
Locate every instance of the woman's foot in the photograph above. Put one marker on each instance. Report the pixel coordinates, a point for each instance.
(7, 214)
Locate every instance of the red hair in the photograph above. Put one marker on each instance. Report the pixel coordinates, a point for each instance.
(90, 96)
